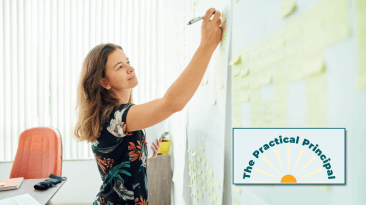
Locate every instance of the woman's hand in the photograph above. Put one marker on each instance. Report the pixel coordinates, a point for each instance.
(156, 149)
(211, 32)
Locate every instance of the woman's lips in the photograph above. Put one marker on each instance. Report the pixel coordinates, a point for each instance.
(132, 78)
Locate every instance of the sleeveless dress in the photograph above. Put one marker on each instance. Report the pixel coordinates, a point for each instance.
(121, 158)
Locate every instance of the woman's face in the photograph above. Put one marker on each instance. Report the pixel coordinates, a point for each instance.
(120, 75)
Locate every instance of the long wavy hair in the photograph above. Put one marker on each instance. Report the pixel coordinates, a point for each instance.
(94, 103)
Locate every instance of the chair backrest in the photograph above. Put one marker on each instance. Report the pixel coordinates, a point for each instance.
(39, 154)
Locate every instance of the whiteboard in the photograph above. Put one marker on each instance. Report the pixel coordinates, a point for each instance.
(207, 113)
(254, 21)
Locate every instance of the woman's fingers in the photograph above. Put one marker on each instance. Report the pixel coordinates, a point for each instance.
(208, 14)
(216, 17)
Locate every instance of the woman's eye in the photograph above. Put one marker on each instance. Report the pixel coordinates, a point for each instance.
(120, 67)
(128, 62)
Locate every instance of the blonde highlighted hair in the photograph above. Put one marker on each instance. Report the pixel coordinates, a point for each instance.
(94, 102)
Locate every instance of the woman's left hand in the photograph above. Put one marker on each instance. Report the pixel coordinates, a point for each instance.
(156, 149)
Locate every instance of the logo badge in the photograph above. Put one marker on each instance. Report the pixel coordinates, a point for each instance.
(289, 156)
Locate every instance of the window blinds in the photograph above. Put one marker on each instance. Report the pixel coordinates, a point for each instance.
(42, 46)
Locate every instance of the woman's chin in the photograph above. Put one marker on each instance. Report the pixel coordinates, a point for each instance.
(137, 82)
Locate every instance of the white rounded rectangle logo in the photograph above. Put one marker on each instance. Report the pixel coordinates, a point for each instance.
(289, 156)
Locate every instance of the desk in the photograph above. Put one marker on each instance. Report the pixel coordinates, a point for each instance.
(28, 187)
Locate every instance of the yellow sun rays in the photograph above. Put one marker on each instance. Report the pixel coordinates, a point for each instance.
(288, 178)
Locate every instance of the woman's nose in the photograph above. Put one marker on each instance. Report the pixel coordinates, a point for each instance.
(130, 70)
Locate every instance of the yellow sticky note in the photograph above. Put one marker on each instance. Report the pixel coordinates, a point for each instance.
(280, 104)
(255, 114)
(292, 31)
(326, 188)
(287, 7)
(280, 72)
(255, 81)
(240, 82)
(267, 114)
(219, 199)
(240, 96)
(361, 44)
(236, 69)
(202, 146)
(217, 182)
(255, 95)
(210, 172)
(203, 161)
(193, 153)
(236, 202)
(314, 66)
(316, 101)
(237, 189)
(266, 77)
(244, 55)
(236, 59)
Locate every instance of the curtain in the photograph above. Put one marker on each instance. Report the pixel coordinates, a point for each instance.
(42, 46)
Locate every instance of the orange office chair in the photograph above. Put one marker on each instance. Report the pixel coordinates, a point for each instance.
(39, 154)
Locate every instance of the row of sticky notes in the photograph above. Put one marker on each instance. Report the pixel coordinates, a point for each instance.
(361, 43)
(293, 52)
(296, 49)
(201, 178)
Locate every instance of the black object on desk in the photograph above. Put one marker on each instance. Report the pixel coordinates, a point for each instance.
(27, 187)
(49, 182)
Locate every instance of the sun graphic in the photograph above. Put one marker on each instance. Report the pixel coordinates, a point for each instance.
(285, 177)
(288, 179)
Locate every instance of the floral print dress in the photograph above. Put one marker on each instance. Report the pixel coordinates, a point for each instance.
(122, 161)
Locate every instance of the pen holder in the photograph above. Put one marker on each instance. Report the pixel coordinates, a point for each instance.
(164, 147)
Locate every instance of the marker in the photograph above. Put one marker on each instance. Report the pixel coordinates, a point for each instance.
(194, 20)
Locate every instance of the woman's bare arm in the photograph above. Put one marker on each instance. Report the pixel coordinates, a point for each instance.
(181, 91)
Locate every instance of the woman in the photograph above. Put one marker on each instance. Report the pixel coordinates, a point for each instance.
(109, 119)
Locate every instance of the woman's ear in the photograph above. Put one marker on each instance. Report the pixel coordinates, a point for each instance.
(103, 82)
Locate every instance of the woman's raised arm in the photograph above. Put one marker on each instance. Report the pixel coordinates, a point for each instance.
(181, 91)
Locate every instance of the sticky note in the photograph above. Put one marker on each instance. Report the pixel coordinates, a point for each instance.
(240, 82)
(236, 59)
(280, 72)
(267, 114)
(255, 111)
(316, 101)
(236, 202)
(361, 44)
(280, 104)
(255, 81)
(217, 182)
(287, 7)
(255, 95)
(240, 96)
(237, 189)
(202, 146)
(210, 172)
(203, 175)
(266, 77)
(314, 66)
(203, 161)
